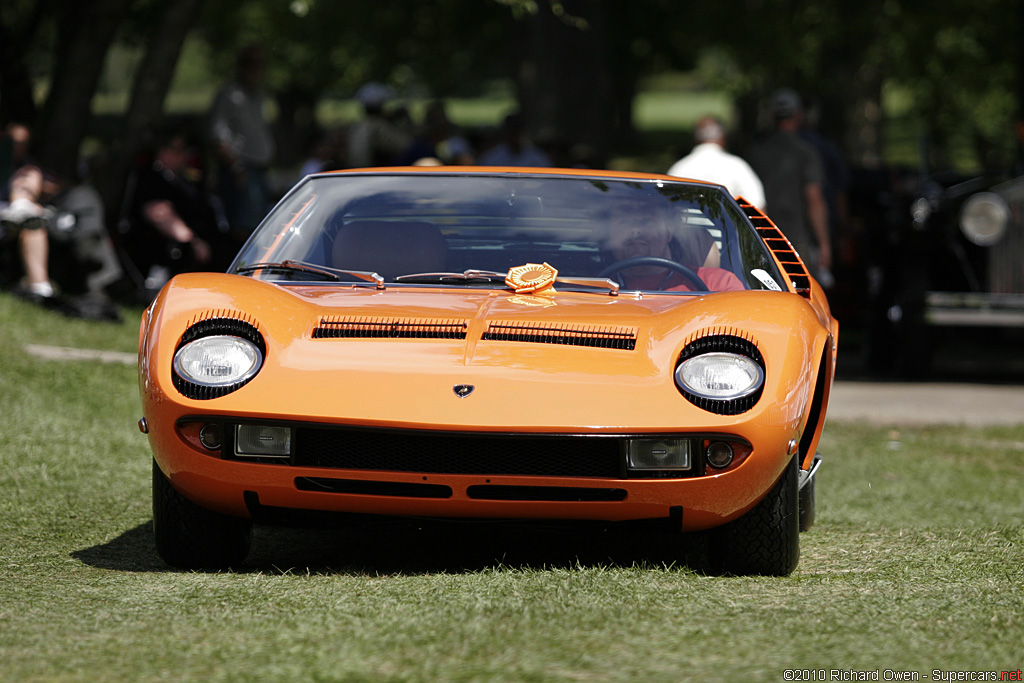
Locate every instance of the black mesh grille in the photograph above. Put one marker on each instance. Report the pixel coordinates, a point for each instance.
(549, 456)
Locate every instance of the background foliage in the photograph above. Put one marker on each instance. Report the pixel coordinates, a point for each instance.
(947, 72)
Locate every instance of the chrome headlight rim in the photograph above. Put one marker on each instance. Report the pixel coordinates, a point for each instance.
(242, 332)
(745, 362)
(984, 218)
(246, 347)
(729, 345)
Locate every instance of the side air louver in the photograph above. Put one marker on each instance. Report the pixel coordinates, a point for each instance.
(401, 328)
(623, 338)
(781, 247)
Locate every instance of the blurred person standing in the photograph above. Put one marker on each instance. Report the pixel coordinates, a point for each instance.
(514, 148)
(243, 143)
(793, 179)
(376, 139)
(835, 185)
(709, 161)
(437, 141)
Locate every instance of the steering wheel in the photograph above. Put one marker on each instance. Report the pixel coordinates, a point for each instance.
(690, 275)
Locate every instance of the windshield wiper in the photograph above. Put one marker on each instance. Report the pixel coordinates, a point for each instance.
(290, 266)
(465, 277)
(473, 276)
(600, 282)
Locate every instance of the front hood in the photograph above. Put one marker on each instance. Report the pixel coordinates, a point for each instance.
(565, 362)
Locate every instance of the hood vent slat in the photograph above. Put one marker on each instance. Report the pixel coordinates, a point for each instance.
(570, 335)
(395, 328)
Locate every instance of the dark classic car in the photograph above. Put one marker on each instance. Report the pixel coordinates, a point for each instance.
(952, 267)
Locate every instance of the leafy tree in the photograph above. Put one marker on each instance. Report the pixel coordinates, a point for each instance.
(20, 22)
(168, 25)
(85, 31)
(955, 61)
(318, 48)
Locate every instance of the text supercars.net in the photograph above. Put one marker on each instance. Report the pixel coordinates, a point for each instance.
(897, 675)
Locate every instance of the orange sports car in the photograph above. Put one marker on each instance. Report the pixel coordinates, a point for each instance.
(494, 344)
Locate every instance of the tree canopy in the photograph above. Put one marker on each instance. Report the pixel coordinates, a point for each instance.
(952, 68)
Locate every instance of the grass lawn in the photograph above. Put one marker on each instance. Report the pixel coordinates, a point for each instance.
(915, 565)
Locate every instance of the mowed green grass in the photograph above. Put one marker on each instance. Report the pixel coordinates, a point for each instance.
(915, 565)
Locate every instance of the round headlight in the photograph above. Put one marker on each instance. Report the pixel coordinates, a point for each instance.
(218, 361)
(720, 376)
(984, 218)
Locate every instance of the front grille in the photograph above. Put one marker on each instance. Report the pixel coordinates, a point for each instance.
(394, 451)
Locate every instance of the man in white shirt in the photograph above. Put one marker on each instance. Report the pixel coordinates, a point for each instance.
(709, 161)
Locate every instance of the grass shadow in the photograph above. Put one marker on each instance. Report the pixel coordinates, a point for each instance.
(132, 551)
(421, 549)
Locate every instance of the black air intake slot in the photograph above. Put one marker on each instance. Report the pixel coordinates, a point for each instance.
(394, 328)
(569, 335)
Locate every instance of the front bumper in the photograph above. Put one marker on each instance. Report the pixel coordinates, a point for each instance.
(590, 482)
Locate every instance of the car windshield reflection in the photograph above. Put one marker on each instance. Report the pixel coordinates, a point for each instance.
(470, 230)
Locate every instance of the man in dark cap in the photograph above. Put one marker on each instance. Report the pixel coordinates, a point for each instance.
(792, 174)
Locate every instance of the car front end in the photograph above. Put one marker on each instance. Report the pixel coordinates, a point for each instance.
(270, 398)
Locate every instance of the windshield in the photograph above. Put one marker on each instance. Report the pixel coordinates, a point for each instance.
(642, 234)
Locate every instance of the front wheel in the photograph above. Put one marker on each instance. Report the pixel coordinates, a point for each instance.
(191, 537)
(766, 540)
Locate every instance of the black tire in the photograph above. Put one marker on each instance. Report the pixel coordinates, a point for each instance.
(766, 540)
(191, 537)
(807, 505)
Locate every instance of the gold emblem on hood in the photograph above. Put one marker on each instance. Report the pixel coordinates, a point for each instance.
(533, 278)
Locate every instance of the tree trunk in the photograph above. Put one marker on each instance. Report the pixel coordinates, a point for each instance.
(85, 33)
(564, 83)
(149, 90)
(16, 101)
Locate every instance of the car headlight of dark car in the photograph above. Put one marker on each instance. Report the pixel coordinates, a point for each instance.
(721, 374)
(984, 218)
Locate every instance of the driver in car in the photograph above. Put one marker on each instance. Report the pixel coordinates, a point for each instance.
(643, 232)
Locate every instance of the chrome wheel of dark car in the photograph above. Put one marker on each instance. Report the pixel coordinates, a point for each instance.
(688, 273)
(766, 540)
(191, 537)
